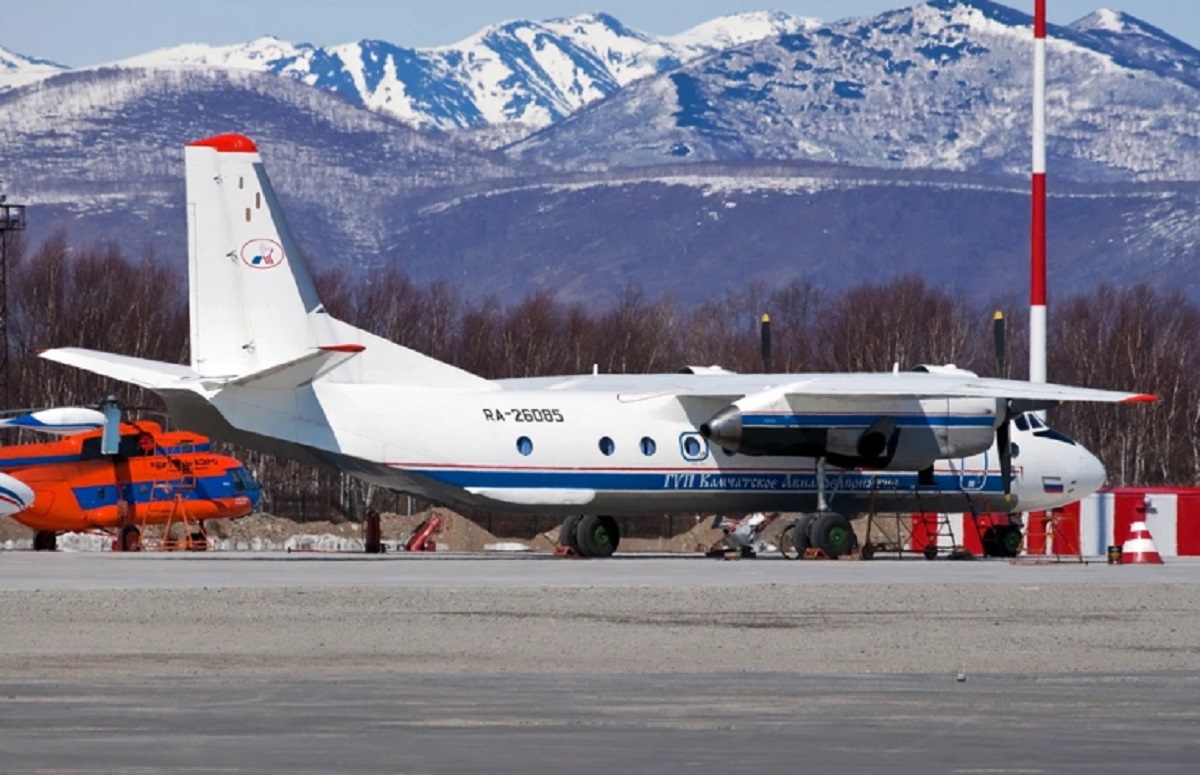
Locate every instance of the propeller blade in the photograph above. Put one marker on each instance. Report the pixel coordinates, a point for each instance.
(999, 330)
(60, 421)
(765, 337)
(1004, 445)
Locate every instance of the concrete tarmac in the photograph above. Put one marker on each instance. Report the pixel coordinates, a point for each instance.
(315, 663)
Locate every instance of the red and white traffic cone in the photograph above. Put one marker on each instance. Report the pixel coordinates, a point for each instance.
(1139, 547)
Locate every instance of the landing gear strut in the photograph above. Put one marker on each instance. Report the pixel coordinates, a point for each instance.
(45, 541)
(590, 535)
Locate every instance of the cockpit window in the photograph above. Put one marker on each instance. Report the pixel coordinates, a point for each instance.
(1050, 433)
(1036, 422)
(1021, 423)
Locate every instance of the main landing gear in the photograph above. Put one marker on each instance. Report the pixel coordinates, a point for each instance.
(825, 530)
(45, 541)
(590, 535)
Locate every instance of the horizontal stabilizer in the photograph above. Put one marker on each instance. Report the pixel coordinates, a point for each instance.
(299, 371)
(137, 371)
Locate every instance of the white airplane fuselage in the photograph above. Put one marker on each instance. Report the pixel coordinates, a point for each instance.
(526, 447)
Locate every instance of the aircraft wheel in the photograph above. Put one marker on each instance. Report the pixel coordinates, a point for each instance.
(45, 541)
(832, 534)
(1010, 542)
(802, 535)
(566, 533)
(597, 536)
(198, 542)
(131, 539)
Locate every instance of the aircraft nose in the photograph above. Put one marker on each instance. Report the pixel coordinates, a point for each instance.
(1089, 473)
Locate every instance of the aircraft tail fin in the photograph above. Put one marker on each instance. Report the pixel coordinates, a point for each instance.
(253, 304)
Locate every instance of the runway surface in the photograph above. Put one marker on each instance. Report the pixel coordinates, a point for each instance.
(317, 663)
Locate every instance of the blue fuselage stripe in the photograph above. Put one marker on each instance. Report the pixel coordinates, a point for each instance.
(704, 480)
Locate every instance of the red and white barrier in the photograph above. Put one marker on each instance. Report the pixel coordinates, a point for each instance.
(1087, 528)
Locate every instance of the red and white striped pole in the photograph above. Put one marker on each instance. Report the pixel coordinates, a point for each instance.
(1037, 295)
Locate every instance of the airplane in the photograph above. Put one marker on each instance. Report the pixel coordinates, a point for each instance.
(271, 369)
(152, 476)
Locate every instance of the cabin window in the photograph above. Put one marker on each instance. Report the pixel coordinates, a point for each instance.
(607, 446)
(648, 446)
(258, 200)
(692, 447)
(525, 446)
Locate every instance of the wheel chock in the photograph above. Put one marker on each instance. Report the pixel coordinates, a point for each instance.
(566, 551)
(815, 553)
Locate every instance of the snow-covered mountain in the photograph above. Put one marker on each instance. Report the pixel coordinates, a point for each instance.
(941, 85)
(525, 72)
(833, 153)
(18, 69)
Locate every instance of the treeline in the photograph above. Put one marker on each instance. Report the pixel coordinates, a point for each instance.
(1134, 338)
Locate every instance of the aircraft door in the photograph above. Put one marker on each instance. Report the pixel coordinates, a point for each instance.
(973, 472)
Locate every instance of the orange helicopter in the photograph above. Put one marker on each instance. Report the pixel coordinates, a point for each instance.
(119, 476)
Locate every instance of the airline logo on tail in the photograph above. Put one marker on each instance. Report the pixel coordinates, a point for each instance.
(262, 254)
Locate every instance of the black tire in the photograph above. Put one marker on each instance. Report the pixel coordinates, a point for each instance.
(45, 541)
(1002, 541)
(1010, 542)
(802, 535)
(930, 551)
(832, 534)
(566, 533)
(597, 536)
(198, 542)
(131, 539)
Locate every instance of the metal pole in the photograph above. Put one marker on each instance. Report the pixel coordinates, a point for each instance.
(1037, 297)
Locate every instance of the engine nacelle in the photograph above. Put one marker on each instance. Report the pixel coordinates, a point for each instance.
(949, 368)
(894, 435)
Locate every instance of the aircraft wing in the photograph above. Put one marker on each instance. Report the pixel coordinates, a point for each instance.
(910, 385)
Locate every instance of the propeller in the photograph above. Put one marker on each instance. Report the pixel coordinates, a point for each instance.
(1004, 430)
(765, 335)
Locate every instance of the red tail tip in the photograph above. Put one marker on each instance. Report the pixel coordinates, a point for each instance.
(228, 143)
(1144, 398)
(343, 348)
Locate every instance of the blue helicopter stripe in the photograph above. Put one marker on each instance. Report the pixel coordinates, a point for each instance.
(145, 492)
